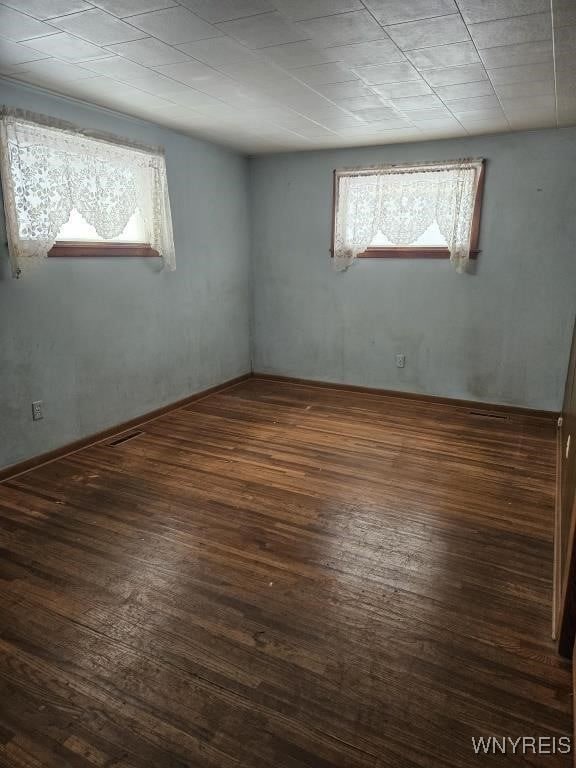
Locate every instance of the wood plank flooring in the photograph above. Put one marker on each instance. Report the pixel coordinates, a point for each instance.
(281, 576)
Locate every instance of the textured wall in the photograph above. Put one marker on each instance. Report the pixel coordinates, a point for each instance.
(101, 342)
(500, 335)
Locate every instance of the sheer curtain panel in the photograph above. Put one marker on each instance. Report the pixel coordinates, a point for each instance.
(401, 203)
(50, 168)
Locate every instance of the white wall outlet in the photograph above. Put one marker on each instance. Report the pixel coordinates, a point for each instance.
(400, 361)
(37, 410)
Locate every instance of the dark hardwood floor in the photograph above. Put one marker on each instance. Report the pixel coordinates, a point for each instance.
(282, 576)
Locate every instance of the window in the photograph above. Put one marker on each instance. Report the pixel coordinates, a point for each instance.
(419, 211)
(67, 193)
(78, 238)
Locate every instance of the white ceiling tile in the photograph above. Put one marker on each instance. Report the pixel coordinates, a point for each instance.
(440, 124)
(397, 11)
(219, 51)
(298, 10)
(17, 26)
(302, 54)
(175, 25)
(525, 122)
(387, 73)
(429, 114)
(429, 101)
(45, 9)
(236, 94)
(150, 52)
(17, 53)
(475, 104)
(394, 136)
(342, 28)
(443, 56)
(227, 10)
(361, 102)
(123, 8)
(531, 88)
(263, 30)
(441, 30)
(193, 73)
(50, 69)
(258, 73)
(286, 118)
(525, 74)
(440, 129)
(375, 52)
(284, 74)
(402, 90)
(469, 73)
(474, 11)
(340, 123)
(474, 124)
(514, 55)
(378, 114)
(345, 90)
(68, 47)
(376, 126)
(520, 103)
(487, 127)
(117, 68)
(519, 29)
(97, 27)
(493, 115)
(192, 99)
(465, 90)
(158, 84)
(479, 114)
(323, 74)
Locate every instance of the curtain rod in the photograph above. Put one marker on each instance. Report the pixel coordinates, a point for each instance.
(440, 165)
(74, 130)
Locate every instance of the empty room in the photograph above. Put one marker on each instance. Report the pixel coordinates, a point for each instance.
(287, 383)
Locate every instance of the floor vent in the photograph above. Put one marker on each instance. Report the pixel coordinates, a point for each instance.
(125, 438)
(487, 415)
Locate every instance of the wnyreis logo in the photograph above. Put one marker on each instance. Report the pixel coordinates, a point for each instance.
(522, 745)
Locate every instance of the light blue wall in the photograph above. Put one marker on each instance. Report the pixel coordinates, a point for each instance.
(101, 342)
(500, 336)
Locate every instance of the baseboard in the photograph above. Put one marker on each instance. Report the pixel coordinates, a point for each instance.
(6, 473)
(550, 417)
(25, 466)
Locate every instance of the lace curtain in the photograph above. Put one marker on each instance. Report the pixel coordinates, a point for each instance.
(402, 203)
(49, 168)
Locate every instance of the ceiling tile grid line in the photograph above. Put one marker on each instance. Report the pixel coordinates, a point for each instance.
(265, 75)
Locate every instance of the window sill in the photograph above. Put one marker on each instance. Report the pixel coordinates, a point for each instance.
(411, 253)
(79, 250)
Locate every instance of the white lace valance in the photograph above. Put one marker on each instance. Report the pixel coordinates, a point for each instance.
(49, 169)
(402, 202)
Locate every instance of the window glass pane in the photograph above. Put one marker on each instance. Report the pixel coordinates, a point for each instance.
(77, 228)
(431, 238)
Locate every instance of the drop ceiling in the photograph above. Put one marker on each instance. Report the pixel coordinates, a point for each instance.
(267, 75)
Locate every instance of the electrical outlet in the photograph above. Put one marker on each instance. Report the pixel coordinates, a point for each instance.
(37, 410)
(400, 361)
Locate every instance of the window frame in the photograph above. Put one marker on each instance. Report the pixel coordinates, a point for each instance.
(90, 249)
(417, 252)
